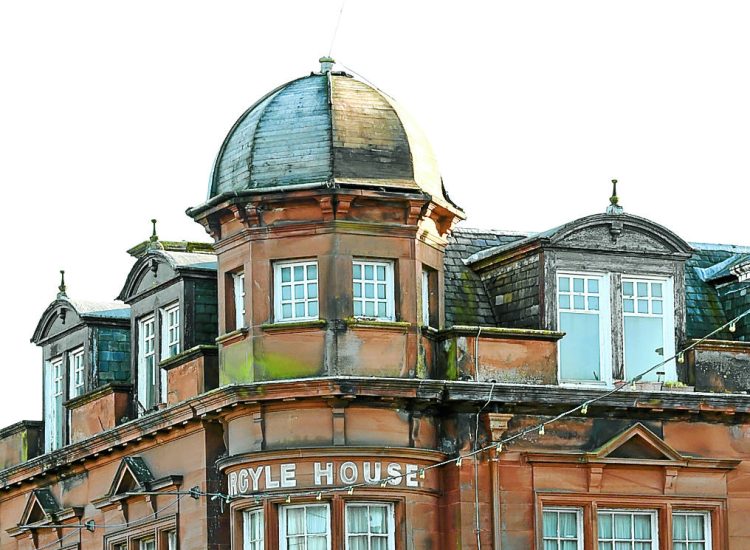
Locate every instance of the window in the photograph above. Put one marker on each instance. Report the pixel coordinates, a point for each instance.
(252, 530)
(147, 544)
(373, 290)
(53, 414)
(170, 333)
(239, 300)
(77, 378)
(369, 527)
(627, 530)
(648, 333)
(562, 529)
(583, 314)
(427, 289)
(146, 364)
(171, 537)
(691, 531)
(296, 291)
(305, 528)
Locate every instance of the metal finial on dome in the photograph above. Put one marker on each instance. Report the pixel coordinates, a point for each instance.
(614, 201)
(326, 64)
(154, 243)
(154, 236)
(61, 288)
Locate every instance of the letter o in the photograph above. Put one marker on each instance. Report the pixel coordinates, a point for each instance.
(348, 472)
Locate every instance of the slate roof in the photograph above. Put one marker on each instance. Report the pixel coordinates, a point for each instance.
(466, 301)
(191, 260)
(322, 130)
(105, 310)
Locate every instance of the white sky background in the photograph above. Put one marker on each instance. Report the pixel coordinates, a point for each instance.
(111, 114)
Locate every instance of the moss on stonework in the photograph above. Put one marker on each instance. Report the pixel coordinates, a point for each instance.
(275, 366)
(236, 366)
(465, 310)
(451, 359)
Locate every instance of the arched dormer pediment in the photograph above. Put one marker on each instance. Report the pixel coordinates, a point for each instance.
(65, 314)
(620, 233)
(156, 268)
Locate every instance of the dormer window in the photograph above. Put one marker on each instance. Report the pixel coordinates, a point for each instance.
(373, 289)
(170, 333)
(296, 291)
(147, 375)
(54, 381)
(77, 376)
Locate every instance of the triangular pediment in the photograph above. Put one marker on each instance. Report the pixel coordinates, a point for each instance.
(637, 443)
(41, 506)
(132, 475)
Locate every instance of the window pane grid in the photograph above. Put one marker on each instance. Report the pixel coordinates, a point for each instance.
(578, 293)
(147, 361)
(560, 529)
(643, 298)
(171, 336)
(239, 300)
(373, 289)
(627, 530)
(253, 530)
(369, 527)
(296, 291)
(57, 373)
(305, 527)
(691, 531)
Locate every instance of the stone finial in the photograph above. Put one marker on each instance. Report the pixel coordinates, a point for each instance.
(326, 64)
(61, 289)
(154, 243)
(614, 201)
(154, 236)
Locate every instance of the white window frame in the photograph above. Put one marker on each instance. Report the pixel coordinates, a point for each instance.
(77, 373)
(54, 396)
(238, 281)
(391, 523)
(143, 356)
(144, 542)
(171, 327)
(425, 298)
(605, 327)
(279, 285)
(630, 512)
(389, 300)
(247, 516)
(707, 532)
(171, 537)
(282, 524)
(667, 316)
(558, 539)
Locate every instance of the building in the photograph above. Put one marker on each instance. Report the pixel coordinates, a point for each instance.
(347, 367)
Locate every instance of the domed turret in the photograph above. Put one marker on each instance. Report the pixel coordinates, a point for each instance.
(327, 129)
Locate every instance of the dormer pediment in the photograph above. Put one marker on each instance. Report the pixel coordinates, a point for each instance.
(636, 443)
(132, 475)
(41, 506)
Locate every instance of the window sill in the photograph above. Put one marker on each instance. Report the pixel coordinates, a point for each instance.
(294, 326)
(361, 322)
(231, 337)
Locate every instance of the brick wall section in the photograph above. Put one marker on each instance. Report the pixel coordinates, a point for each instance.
(206, 312)
(112, 355)
(517, 285)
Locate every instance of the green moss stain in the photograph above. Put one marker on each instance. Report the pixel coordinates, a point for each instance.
(236, 365)
(465, 311)
(275, 366)
(450, 347)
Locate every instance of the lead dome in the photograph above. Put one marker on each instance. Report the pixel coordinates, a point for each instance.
(327, 129)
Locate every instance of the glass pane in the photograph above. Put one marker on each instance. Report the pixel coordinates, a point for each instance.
(357, 271)
(299, 310)
(593, 303)
(317, 519)
(642, 289)
(568, 525)
(356, 519)
(627, 289)
(577, 285)
(622, 526)
(628, 306)
(642, 306)
(695, 527)
(642, 527)
(296, 543)
(295, 521)
(369, 272)
(564, 301)
(642, 546)
(317, 543)
(605, 526)
(656, 290)
(299, 273)
(369, 290)
(357, 290)
(286, 311)
(299, 292)
(377, 519)
(381, 273)
(357, 308)
(605, 546)
(550, 545)
(381, 310)
(549, 524)
(623, 546)
(578, 302)
(379, 543)
(370, 309)
(679, 546)
(679, 528)
(312, 290)
(564, 283)
(594, 286)
(643, 336)
(696, 546)
(656, 306)
(286, 274)
(312, 309)
(358, 543)
(579, 349)
(569, 545)
(312, 272)
(381, 292)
